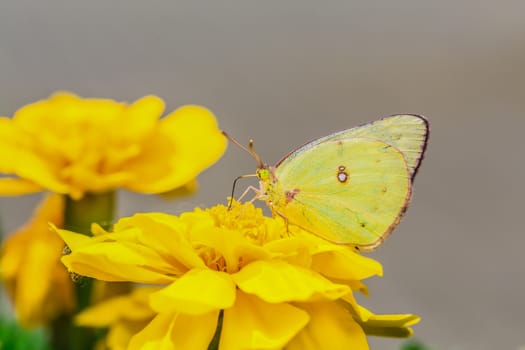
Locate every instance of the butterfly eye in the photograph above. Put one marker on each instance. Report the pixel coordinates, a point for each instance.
(263, 174)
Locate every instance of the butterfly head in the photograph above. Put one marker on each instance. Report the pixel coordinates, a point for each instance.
(265, 174)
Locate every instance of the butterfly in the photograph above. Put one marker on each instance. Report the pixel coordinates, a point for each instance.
(350, 187)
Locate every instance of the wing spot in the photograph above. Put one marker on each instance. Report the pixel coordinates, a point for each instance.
(342, 174)
(290, 195)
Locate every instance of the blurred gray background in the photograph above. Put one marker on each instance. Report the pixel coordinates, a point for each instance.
(284, 72)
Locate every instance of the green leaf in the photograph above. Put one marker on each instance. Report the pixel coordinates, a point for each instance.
(14, 337)
(415, 345)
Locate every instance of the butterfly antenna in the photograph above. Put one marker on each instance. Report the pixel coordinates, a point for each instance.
(250, 148)
(230, 204)
(255, 155)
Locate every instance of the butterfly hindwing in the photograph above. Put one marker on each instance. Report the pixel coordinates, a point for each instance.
(348, 190)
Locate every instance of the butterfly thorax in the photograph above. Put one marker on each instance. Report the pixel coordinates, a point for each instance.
(270, 190)
(267, 181)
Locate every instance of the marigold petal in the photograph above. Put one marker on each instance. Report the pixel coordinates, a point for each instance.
(200, 146)
(277, 281)
(330, 327)
(31, 269)
(31, 290)
(181, 192)
(16, 187)
(72, 239)
(110, 261)
(12, 256)
(8, 146)
(16, 157)
(176, 331)
(294, 250)
(197, 292)
(102, 314)
(342, 263)
(133, 306)
(140, 118)
(31, 167)
(357, 286)
(120, 333)
(166, 233)
(194, 142)
(392, 325)
(254, 324)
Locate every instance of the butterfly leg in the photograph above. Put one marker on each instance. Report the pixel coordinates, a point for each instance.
(286, 221)
(246, 191)
(250, 188)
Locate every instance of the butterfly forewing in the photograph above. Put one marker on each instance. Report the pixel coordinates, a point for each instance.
(350, 190)
(406, 132)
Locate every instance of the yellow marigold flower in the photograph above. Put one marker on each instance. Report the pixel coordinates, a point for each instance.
(72, 145)
(31, 270)
(278, 288)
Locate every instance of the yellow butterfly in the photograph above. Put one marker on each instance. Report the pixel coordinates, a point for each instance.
(351, 187)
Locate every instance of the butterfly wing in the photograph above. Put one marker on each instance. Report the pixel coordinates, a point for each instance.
(349, 191)
(406, 132)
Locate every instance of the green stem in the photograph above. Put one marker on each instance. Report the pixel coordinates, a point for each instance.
(78, 217)
(80, 214)
(214, 344)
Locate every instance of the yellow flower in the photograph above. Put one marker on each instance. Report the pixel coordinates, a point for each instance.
(124, 315)
(278, 288)
(71, 145)
(31, 270)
